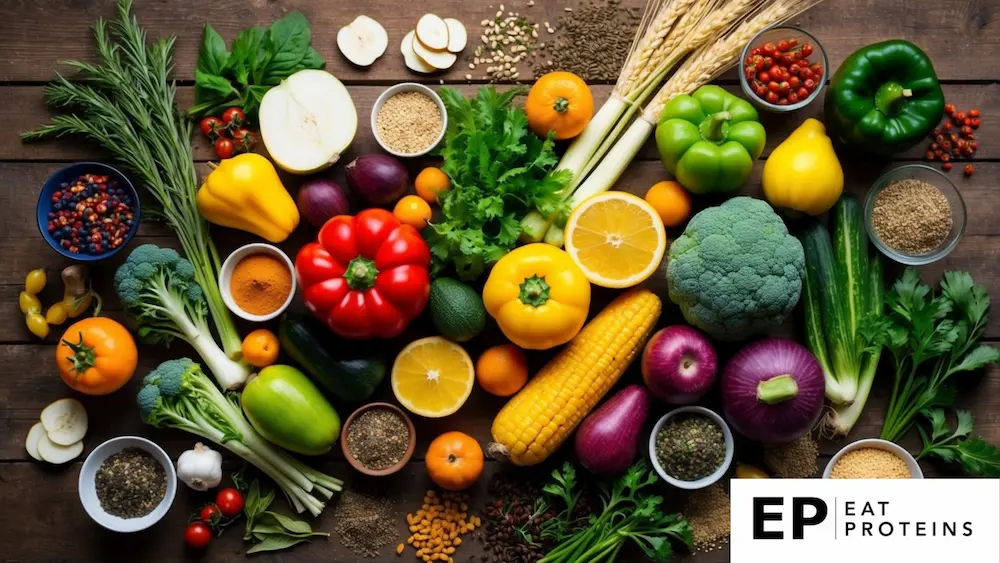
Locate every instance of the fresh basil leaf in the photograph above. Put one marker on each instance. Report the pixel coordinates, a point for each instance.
(212, 55)
(248, 51)
(294, 526)
(313, 60)
(214, 83)
(274, 542)
(288, 44)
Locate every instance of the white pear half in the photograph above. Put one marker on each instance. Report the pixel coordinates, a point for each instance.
(433, 32)
(35, 435)
(65, 422)
(457, 36)
(440, 60)
(413, 62)
(58, 454)
(308, 121)
(362, 41)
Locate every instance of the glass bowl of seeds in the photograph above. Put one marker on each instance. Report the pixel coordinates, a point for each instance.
(915, 215)
(378, 439)
(691, 447)
(127, 484)
(873, 459)
(409, 120)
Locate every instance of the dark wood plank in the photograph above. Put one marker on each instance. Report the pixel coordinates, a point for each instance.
(947, 31)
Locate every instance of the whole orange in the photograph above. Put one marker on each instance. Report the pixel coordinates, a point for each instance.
(413, 211)
(671, 201)
(502, 370)
(431, 182)
(261, 348)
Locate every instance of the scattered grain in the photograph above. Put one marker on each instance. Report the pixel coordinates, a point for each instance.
(593, 40)
(409, 122)
(504, 36)
(911, 216)
(794, 460)
(707, 511)
(870, 463)
(364, 523)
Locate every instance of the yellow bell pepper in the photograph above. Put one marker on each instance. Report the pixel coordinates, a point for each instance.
(803, 174)
(538, 295)
(245, 193)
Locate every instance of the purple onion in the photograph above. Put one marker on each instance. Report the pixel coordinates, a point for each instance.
(607, 441)
(377, 178)
(319, 200)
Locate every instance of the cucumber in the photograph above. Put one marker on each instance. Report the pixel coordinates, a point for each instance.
(327, 361)
(850, 250)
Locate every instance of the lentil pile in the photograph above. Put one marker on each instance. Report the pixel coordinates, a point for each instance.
(409, 122)
(378, 438)
(690, 447)
(591, 41)
(870, 463)
(437, 528)
(707, 511)
(364, 523)
(911, 216)
(91, 215)
(507, 41)
(794, 460)
(130, 483)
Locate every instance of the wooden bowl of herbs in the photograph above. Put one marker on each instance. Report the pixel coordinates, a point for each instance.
(378, 439)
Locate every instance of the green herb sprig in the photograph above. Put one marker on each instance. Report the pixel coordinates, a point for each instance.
(260, 59)
(499, 170)
(270, 531)
(628, 514)
(976, 456)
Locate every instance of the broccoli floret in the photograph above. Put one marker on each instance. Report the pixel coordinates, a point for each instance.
(159, 291)
(736, 271)
(149, 403)
(169, 376)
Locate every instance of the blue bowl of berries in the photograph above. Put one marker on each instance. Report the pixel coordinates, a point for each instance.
(88, 211)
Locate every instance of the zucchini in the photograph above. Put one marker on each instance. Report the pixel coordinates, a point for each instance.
(341, 376)
(850, 249)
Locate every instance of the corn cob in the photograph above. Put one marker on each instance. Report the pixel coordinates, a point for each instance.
(543, 415)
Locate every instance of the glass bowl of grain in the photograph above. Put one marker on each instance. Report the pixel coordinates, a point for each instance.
(915, 215)
(409, 120)
(378, 439)
(873, 459)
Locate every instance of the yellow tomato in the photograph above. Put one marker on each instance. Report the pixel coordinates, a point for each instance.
(431, 182)
(413, 211)
(261, 348)
(671, 202)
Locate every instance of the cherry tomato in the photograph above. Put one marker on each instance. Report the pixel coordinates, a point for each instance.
(755, 51)
(807, 49)
(414, 211)
(764, 77)
(244, 140)
(783, 45)
(230, 502)
(772, 97)
(802, 92)
(769, 47)
(793, 98)
(234, 118)
(794, 82)
(224, 148)
(210, 514)
(211, 127)
(197, 535)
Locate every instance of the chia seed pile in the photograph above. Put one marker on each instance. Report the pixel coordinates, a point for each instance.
(364, 523)
(130, 483)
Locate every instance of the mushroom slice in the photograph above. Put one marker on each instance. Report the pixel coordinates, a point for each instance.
(457, 36)
(362, 41)
(433, 32)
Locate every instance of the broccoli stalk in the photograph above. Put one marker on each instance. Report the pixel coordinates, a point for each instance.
(159, 290)
(178, 394)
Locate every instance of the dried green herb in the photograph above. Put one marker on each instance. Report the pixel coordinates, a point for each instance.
(690, 447)
(130, 483)
(378, 439)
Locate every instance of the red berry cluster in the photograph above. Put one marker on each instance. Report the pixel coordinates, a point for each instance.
(781, 73)
(955, 139)
(90, 216)
(228, 134)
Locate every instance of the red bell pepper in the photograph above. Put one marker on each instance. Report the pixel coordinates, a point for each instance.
(367, 276)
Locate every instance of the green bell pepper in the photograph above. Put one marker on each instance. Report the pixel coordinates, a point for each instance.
(884, 98)
(709, 140)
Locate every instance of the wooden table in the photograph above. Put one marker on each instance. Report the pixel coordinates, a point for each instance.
(40, 516)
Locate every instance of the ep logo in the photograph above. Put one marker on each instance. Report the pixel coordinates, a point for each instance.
(806, 511)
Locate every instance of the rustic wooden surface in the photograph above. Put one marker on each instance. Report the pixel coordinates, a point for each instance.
(40, 514)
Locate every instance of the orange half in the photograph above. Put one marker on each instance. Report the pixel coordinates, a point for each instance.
(433, 377)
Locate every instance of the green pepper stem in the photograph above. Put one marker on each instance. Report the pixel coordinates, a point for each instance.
(891, 97)
(713, 129)
(83, 357)
(361, 273)
(534, 291)
(778, 389)
(561, 105)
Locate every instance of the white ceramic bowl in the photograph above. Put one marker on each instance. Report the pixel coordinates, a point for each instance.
(226, 277)
(408, 87)
(879, 445)
(704, 481)
(88, 490)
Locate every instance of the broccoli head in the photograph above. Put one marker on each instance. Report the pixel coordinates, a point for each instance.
(149, 268)
(736, 271)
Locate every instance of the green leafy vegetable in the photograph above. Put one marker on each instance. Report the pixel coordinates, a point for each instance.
(499, 170)
(932, 338)
(976, 456)
(260, 58)
(270, 531)
(628, 513)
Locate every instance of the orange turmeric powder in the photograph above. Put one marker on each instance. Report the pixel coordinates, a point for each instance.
(260, 284)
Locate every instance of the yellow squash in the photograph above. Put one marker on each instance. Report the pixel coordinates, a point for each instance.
(544, 414)
(245, 193)
(803, 174)
(538, 295)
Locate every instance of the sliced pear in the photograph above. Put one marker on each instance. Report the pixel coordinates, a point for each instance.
(307, 121)
(433, 32)
(36, 433)
(362, 41)
(440, 60)
(65, 422)
(457, 36)
(56, 453)
(413, 62)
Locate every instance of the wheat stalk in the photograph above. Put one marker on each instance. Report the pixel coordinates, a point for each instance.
(658, 21)
(673, 47)
(713, 59)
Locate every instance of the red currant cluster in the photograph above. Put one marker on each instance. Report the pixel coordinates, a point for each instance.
(955, 139)
(781, 73)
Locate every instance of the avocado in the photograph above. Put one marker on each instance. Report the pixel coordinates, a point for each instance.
(457, 310)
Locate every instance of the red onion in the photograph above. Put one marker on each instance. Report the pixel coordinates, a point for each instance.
(608, 439)
(320, 199)
(679, 365)
(772, 390)
(377, 178)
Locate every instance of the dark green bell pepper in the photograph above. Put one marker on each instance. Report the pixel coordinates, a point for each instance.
(709, 140)
(884, 98)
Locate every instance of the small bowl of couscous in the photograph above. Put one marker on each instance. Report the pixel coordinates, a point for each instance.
(873, 459)
(409, 120)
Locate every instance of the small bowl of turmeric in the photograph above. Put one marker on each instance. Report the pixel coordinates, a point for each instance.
(257, 282)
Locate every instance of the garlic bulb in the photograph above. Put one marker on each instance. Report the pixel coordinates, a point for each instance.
(200, 468)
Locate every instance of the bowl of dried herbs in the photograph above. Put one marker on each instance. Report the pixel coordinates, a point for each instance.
(691, 447)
